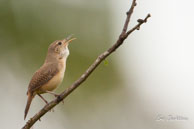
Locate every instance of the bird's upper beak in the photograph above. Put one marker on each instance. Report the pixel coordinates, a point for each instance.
(68, 39)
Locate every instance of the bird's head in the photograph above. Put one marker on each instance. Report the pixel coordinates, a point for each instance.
(59, 48)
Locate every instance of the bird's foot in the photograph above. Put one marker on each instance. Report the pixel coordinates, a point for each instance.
(59, 96)
(56, 95)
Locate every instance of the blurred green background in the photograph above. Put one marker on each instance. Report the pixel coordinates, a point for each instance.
(28, 27)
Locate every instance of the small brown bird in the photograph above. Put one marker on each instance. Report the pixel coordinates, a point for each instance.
(51, 73)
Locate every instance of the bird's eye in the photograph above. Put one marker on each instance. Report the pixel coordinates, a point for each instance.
(59, 43)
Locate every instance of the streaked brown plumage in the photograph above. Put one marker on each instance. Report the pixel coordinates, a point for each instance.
(51, 73)
(42, 76)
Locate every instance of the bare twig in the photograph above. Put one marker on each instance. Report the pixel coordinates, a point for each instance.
(129, 14)
(140, 21)
(124, 34)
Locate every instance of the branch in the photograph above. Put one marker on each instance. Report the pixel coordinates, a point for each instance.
(129, 14)
(124, 34)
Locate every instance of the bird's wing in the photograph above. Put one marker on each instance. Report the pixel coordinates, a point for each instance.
(42, 76)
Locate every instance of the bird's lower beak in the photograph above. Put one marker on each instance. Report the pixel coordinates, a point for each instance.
(69, 39)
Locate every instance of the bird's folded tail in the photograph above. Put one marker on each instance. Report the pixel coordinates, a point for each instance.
(30, 97)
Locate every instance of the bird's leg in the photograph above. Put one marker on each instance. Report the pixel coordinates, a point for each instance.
(44, 101)
(50, 92)
(43, 98)
(56, 95)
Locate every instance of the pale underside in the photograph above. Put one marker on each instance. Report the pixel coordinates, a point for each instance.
(53, 83)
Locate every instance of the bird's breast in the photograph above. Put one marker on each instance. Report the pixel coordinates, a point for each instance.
(56, 80)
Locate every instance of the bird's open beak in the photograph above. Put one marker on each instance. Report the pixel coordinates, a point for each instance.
(68, 39)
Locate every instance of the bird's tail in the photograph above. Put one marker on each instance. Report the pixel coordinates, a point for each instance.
(30, 97)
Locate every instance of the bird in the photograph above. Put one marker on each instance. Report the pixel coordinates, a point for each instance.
(51, 73)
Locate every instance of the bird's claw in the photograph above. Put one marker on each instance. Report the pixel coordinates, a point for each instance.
(58, 96)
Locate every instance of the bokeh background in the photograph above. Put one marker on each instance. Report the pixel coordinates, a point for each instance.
(146, 84)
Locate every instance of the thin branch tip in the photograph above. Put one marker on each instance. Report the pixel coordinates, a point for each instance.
(148, 16)
(144, 20)
(129, 14)
(140, 20)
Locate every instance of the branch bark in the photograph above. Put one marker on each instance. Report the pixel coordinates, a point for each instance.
(124, 34)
